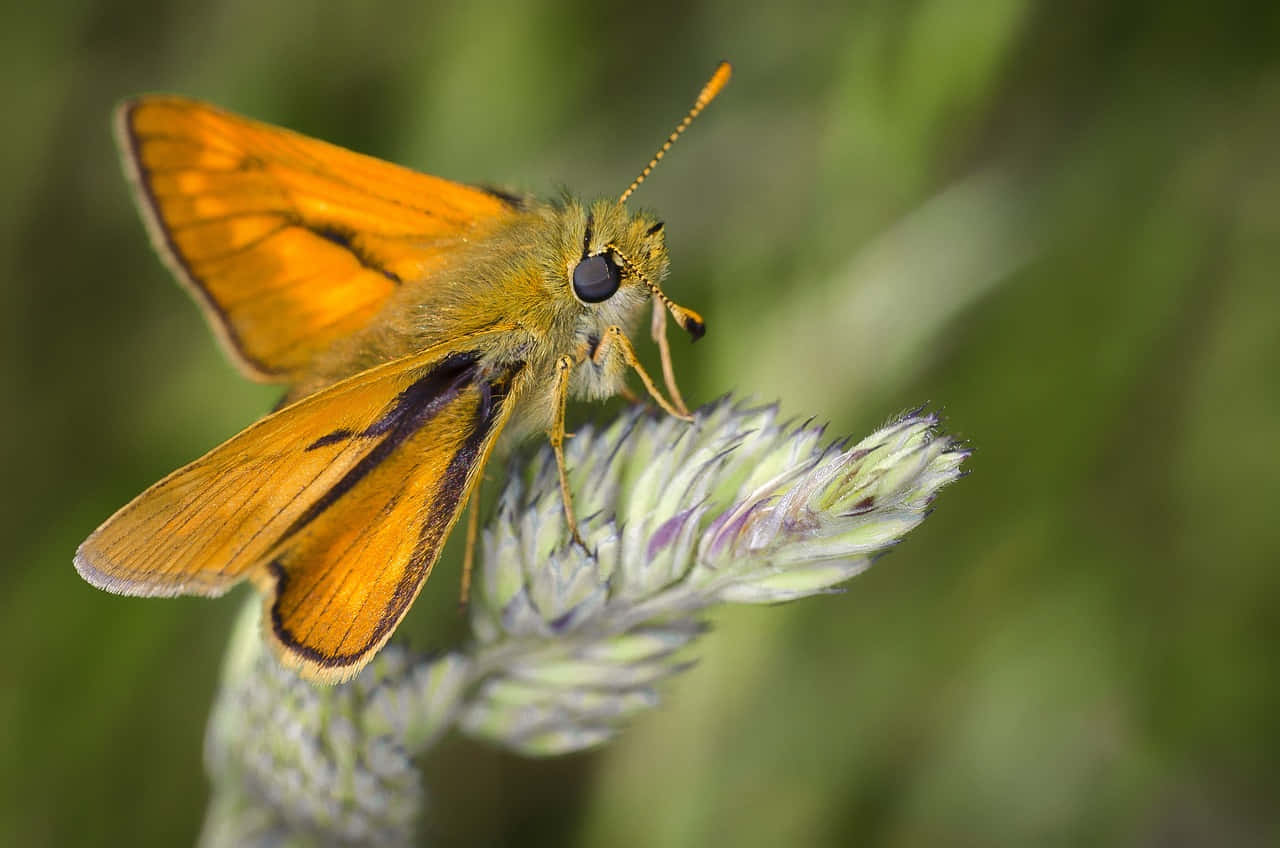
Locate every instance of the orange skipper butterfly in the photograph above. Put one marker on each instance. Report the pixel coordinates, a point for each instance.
(416, 321)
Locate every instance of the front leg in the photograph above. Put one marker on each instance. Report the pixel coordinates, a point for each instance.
(658, 329)
(616, 343)
(564, 370)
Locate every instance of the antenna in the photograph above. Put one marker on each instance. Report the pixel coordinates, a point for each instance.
(689, 321)
(718, 81)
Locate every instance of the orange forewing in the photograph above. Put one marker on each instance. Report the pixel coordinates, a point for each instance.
(336, 507)
(291, 243)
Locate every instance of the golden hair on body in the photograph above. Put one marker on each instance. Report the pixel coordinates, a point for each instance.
(416, 322)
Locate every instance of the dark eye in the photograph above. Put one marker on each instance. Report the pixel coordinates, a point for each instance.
(596, 279)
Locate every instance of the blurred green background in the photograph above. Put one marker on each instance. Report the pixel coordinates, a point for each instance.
(1059, 222)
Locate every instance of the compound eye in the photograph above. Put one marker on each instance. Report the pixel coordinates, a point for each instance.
(596, 279)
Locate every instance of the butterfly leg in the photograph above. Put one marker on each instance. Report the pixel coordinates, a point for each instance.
(616, 340)
(469, 555)
(658, 328)
(564, 369)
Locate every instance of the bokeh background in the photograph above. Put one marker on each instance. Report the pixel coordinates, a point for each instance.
(1058, 222)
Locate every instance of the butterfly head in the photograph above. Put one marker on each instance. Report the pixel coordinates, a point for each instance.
(622, 262)
(622, 252)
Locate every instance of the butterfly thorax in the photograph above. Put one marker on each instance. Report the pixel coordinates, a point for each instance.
(518, 277)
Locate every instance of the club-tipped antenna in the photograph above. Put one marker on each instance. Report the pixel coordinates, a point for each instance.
(689, 321)
(718, 81)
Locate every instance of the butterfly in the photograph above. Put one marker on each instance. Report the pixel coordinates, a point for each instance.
(417, 323)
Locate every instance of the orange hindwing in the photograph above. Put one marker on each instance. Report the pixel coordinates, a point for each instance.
(336, 506)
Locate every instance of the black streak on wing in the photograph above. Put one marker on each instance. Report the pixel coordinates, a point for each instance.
(346, 239)
(331, 439)
(515, 202)
(463, 371)
(410, 411)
